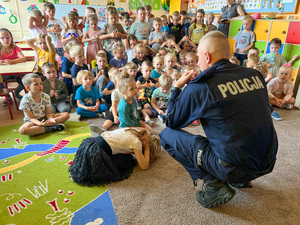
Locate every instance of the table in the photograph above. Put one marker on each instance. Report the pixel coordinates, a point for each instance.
(18, 68)
(29, 55)
(23, 46)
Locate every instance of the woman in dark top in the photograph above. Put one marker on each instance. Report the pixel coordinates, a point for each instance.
(227, 13)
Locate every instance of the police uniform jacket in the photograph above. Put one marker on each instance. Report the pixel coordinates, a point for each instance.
(232, 103)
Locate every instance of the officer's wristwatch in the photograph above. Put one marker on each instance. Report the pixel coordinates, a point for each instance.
(175, 89)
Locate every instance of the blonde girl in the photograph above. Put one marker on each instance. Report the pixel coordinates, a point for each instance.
(170, 60)
(103, 159)
(45, 51)
(119, 61)
(37, 23)
(158, 64)
(209, 21)
(198, 29)
(87, 97)
(92, 36)
(131, 69)
(71, 33)
(10, 54)
(280, 89)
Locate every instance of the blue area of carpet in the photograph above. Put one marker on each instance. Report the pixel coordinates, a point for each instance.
(99, 209)
(10, 152)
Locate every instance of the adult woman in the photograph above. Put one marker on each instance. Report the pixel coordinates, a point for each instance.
(228, 12)
(109, 157)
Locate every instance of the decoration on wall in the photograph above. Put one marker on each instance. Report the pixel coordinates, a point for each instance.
(111, 2)
(120, 10)
(123, 1)
(6, 0)
(12, 19)
(70, 2)
(166, 5)
(101, 12)
(134, 4)
(32, 7)
(56, 1)
(2, 10)
(85, 2)
(42, 1)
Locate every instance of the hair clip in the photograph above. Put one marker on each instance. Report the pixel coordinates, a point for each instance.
(287, 64)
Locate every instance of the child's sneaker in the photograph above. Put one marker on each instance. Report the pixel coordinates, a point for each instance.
(162, 118)
(287, 106)
(5, 102)
(81, 117)
(97, 129)
(18, 96)
(195, 123)
(72, 100)
(57, 127)
(276, 116)
(102, 115)
(149, 122)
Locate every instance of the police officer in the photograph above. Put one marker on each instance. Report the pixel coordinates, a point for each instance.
(233, 106)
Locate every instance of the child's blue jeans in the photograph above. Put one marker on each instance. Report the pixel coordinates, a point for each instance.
(87, 113)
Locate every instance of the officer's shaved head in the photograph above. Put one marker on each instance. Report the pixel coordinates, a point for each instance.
(213, 47)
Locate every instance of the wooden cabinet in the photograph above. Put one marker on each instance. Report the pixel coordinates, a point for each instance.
(279, 30)
(261, 30)
(265, 31)
(293, 35)
(261, 45)
(231, 43)
(235, 27)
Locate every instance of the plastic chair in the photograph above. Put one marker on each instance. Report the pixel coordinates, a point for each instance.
(4, 92)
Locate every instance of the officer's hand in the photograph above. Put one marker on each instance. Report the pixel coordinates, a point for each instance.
(185, 78)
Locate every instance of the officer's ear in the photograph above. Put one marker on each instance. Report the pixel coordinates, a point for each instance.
(207, 57)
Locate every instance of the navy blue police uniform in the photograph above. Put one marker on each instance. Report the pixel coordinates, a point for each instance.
(232, 104)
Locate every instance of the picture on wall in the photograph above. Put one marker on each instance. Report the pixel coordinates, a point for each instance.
(134, 4)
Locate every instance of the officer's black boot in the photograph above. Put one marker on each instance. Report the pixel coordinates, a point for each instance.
(214, 192)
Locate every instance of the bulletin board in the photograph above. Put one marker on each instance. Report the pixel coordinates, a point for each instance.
(259, 6)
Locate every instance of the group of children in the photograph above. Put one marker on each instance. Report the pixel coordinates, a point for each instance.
(133, 66)
(276, 71)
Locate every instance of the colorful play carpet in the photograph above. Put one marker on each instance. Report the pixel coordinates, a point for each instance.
(35, 187)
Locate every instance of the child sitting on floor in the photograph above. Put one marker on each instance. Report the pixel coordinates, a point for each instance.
(56, 89)
(87, 97)
(280, 89)
(158, 64)
(110, 87)
(116, 96)
(131, 69)
(144, 85)
(100, 72)
(36, 106)
(127, 109)
(160, 99)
